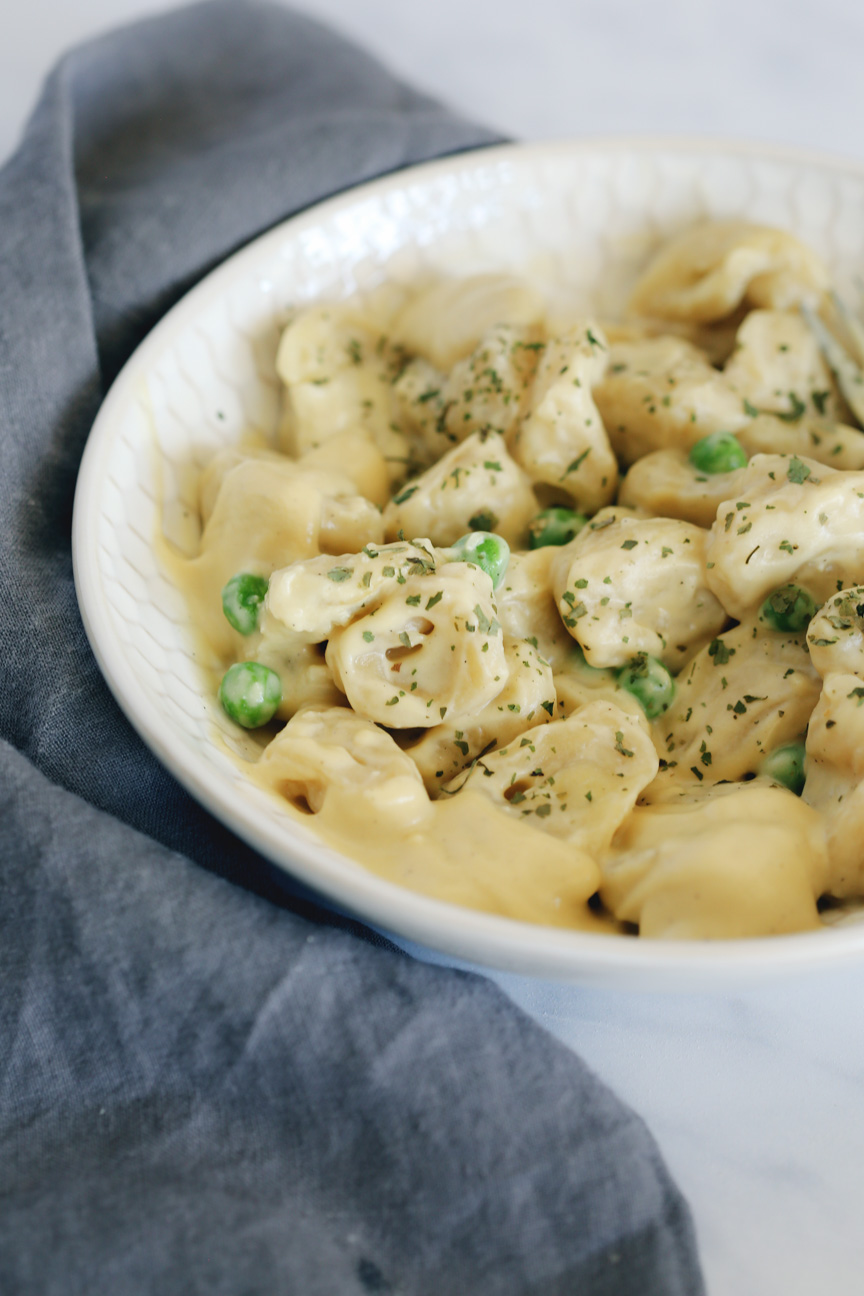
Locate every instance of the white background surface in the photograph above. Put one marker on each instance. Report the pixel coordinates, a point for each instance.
(789, 71)
(756, 1099)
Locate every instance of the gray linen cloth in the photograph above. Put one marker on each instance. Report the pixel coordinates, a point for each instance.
(207, 1082)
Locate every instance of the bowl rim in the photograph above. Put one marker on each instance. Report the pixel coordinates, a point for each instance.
(495, 941)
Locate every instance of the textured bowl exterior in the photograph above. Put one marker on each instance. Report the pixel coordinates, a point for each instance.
(580, 219)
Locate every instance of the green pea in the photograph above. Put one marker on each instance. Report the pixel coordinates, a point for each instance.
(241, 601)
(250, 693)
(650, 683)
(789, 608)
(485, 550)
(555, 526)
(786, 765)
(720, 452)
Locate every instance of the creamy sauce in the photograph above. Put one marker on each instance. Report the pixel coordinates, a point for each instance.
(555, 801)
(469, 853)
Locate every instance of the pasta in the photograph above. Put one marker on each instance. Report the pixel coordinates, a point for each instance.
(565, 623)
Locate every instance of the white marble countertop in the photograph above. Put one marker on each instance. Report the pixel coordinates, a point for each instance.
(756, 1101)
(756, 1098)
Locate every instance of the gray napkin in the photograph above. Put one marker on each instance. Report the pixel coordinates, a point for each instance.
(207, 1082)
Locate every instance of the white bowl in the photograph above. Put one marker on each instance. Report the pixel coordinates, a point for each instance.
(577, 215)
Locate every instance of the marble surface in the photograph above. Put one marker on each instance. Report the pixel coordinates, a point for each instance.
(756, 1102)
(756, 1097)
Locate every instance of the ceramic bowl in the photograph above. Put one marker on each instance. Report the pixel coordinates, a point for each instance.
(578, 218)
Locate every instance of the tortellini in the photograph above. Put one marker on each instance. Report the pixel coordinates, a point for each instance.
(665, 484)
(313, 597)
(835, 636)
(835, 737)
(791, 519)
(743, 860)
(562, 443)
(486, 392)
(706, 273)
(431, 650)
(338, 379)
(630, 585)
(578, 778)
(829, 443)
(419, 394)
(476, 486)
(611, 730)
(777, 367)
(489, 390)
(327, 749)
(747, 692)
(835, 778)
(662, 392)
(411, 639)
(527, 698)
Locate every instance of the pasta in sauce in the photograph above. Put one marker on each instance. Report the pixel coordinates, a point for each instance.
(561, 623)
